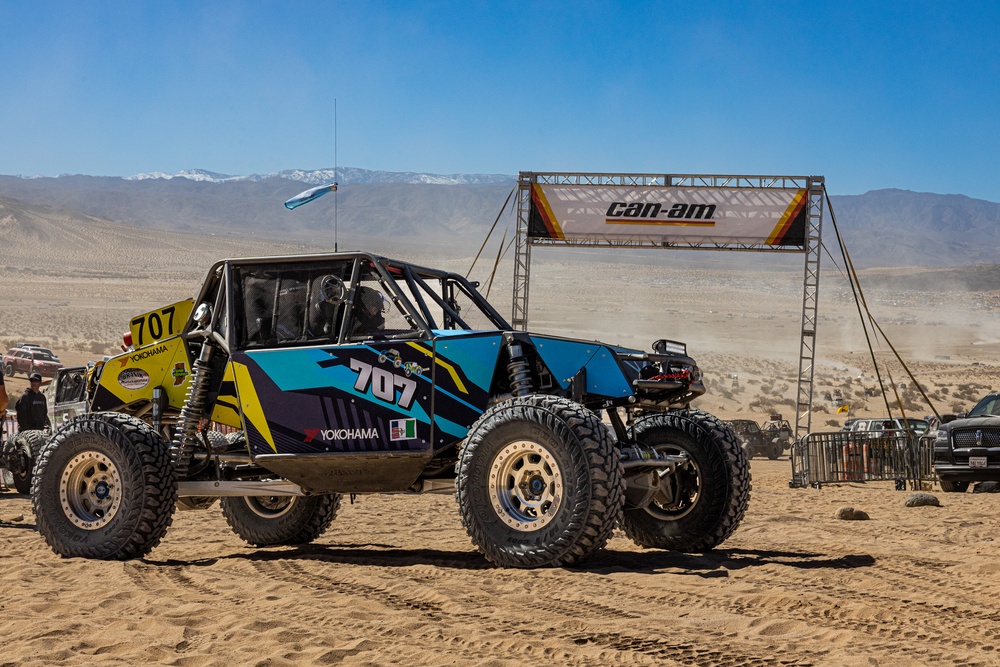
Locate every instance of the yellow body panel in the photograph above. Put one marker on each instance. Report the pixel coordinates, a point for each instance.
(160, 324)
(131, 376)
(253, 412)
(225, 410)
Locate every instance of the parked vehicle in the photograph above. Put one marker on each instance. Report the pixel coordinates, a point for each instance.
(874, 424)
(29, 360)
(968, 449)
(748, 432)
(310, 365)
(769, 439)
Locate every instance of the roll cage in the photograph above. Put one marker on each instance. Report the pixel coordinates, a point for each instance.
(267, 302)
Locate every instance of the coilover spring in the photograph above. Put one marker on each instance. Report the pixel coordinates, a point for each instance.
(186, 433)
(518, 371)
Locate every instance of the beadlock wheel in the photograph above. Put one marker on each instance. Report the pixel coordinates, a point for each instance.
(269, 507)
(90, 490)
(678, 492)
(525, 486)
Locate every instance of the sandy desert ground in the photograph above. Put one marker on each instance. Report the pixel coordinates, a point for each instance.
(395, 580)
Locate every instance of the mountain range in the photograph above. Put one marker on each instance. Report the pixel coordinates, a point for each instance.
(880, 228)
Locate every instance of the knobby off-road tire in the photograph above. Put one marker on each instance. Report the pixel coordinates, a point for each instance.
(21, 452)
(715, 487)
(104, 487)
(539, 483)
(774, 451)
(953, 486)
(8, 370)
(266, 521)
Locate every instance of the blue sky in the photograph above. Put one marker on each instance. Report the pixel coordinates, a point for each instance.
(869, 94)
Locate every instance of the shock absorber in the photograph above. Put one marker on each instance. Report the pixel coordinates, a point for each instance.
(518, 370)
(186, 433)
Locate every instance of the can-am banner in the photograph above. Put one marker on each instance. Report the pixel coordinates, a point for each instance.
(765, 216)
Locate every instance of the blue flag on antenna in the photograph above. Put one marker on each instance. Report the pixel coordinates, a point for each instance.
(309, 195)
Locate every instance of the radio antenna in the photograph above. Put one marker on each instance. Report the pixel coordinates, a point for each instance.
(335, 173)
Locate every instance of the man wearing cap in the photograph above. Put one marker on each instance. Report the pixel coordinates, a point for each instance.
(3, 399)
(32, 411)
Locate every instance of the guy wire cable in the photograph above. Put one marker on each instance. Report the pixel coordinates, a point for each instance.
(855, 288)
(876, 325)
(502, 208)
(335, 174)
(888, 342)
(493, 274)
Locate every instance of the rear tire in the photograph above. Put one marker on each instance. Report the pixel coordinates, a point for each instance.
(953, 486)
(709, 496)
(104, 487)
(539, 483)
(266, 521)
(8, 370)
(22, 451)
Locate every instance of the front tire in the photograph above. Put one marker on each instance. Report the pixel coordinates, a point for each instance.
(539, 483)
(702, 503)
(104, 487)
(266, 521)
(953, 486)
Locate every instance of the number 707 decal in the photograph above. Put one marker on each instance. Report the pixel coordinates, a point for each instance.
(384, 384)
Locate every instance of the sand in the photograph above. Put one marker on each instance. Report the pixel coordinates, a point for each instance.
(395, 580)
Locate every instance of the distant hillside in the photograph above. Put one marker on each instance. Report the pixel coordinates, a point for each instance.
(256, 207)
(44, 239)
(903, 228)
(880, 228)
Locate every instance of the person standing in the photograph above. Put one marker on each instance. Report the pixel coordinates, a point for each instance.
(3, 401)
(32, 410)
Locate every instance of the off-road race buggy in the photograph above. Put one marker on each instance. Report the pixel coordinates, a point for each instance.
(748, 432)
(349, 373)
(769, 439)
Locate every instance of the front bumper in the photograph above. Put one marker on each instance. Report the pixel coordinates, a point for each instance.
(963, 473)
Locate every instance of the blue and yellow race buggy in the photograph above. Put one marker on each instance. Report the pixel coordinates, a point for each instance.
(350, 373)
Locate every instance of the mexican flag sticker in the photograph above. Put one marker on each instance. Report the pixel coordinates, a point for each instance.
(402, 429)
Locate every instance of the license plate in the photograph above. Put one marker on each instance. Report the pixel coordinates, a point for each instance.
(977, 461)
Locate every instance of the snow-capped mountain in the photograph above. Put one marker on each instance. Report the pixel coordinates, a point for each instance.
(343, 175)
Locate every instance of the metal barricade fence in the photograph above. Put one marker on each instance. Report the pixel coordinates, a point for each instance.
(9, 427)
(862, 456)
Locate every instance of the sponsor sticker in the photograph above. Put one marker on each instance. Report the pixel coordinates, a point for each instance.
(331, 434)
(179, 372)
(402, 429)
(133, 379)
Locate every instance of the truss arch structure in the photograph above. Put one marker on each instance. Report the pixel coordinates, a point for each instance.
(678, 211)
